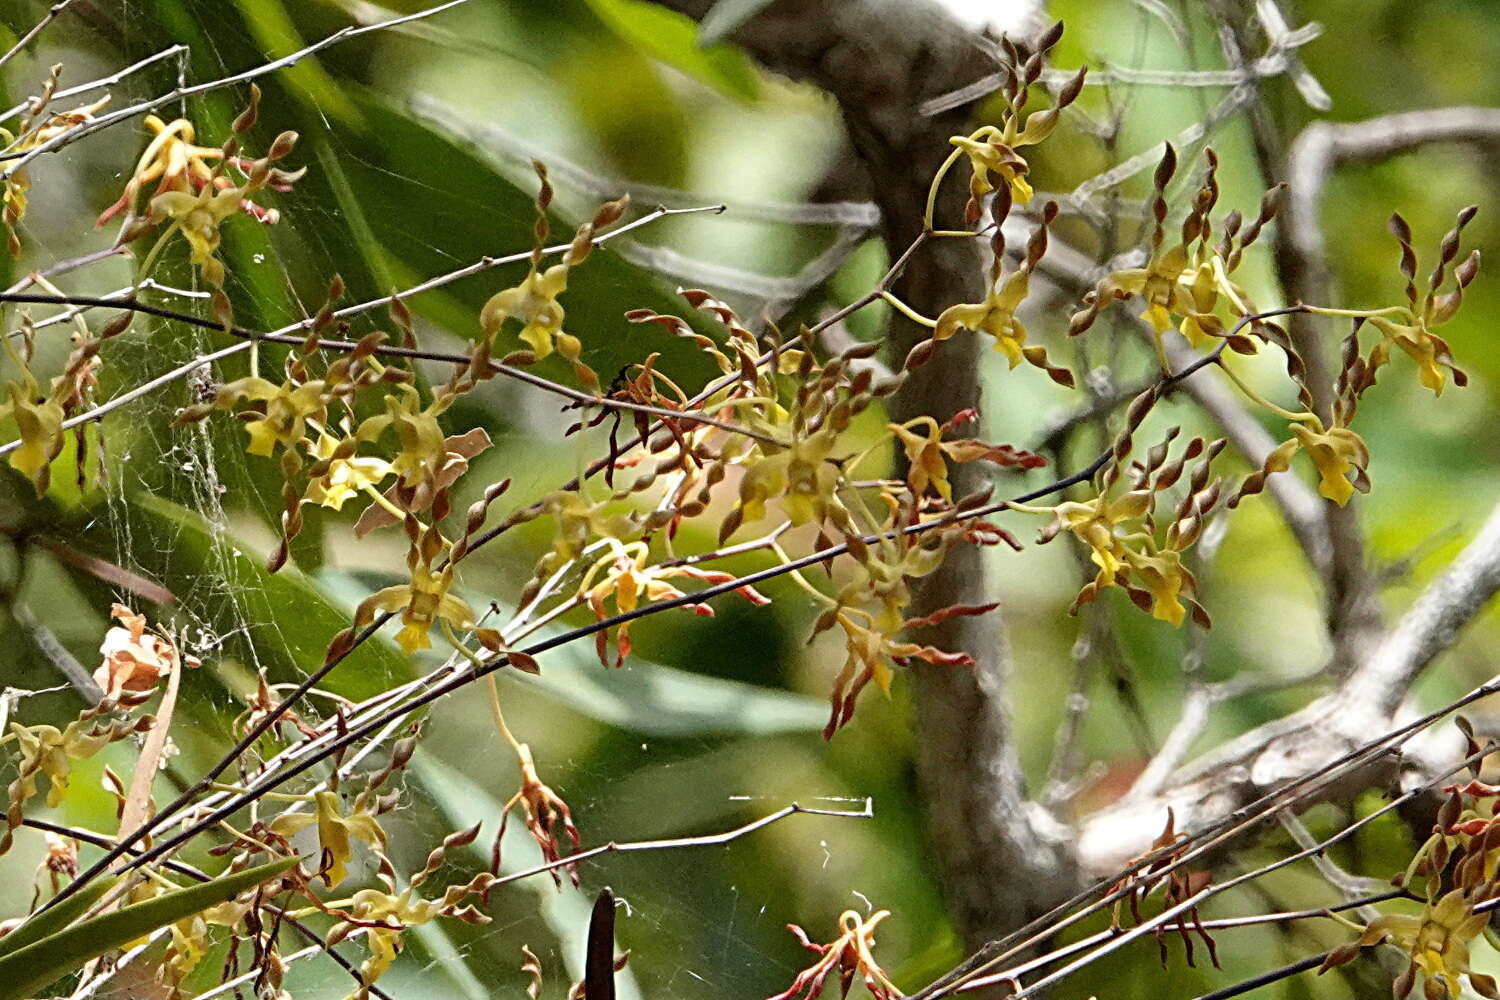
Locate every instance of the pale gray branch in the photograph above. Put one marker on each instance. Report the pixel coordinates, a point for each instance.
(1272, 755)
(1324, 146)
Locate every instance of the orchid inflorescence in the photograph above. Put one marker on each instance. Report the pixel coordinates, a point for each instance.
(786, 452)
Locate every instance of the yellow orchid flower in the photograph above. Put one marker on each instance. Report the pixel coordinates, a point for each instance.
(37, 131)
(990, 152)
(170, 158)
(421, 603)
(39, 421)
(287, 409)
(1437, 940)
(1122, 534)
(345, 477)
(1095, 523)
(927, 455)
(199, 216)
(1164, 578)
(996, 316)
(336, 832)
(869, 649)
(198, 187)
(1410, 327)
(1339, 454)
(385, 915)
(424, 449)
(991, 149)
(534, 303)
(924, 456)
(623, 574)
(1190, 279)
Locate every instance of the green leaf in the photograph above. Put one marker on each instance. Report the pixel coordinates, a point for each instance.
(416, 179)
(53, 920)
(673, 38)
(27, 970)
(664, 701)
(725, 17)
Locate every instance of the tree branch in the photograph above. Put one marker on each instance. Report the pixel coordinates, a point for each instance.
(1225, 780)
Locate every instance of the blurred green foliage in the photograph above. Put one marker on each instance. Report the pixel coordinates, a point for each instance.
(717, 722)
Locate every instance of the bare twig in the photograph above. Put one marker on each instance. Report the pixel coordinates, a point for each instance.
(1432, 623)
(1222, 781)
(102, 82)
(103, 121)
(675, 843)
(36, 29)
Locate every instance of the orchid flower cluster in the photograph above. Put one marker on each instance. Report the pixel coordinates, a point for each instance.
(1455, 875)
(787, 453)
(1120, 525)
(1161, 867)
(37, 129)
(992, 150)
(198, 188)
(348, 832)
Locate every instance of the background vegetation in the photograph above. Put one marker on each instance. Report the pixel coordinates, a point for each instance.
(417, 143)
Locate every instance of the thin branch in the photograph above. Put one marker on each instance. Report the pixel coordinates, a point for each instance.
(20, 160)
(144, 389)
(1220, 782)
(1266, 978)
(485, 667)
(249, 337)
(57, 654)
(599, 465)
(1080, 199)
(36, 29)
(1432, 623)
(506, 145)
(279, 710)
(486, 263)
(1273, 63)
(674, 843)
(104, 81)
(1196, 845)
(72, 264)
(1281, 34)
(1210, 891)
(1222, 923)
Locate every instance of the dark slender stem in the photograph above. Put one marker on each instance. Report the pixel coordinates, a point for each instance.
(1266, 978)
(390, 351)
(128, 841)
(1106, 891)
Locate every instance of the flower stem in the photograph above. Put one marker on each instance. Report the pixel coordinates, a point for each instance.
(908, 311)
(937, 182)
